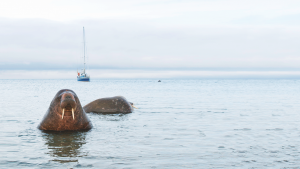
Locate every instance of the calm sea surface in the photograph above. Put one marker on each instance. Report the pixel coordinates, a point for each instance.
(179, 124)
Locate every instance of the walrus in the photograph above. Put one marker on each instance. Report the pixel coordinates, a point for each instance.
(65, 113)
(110, 105)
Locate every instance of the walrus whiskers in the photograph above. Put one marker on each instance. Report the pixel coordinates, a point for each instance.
(73, 113)
(62, 117)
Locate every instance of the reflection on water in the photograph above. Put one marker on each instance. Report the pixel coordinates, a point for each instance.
(112, 117)
(65, 146)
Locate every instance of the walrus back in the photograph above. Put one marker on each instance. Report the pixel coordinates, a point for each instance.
(110, 105)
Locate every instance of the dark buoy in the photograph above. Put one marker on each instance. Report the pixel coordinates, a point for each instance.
(159, 81)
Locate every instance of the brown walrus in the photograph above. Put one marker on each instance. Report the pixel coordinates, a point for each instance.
(65, 113)
(109, 105)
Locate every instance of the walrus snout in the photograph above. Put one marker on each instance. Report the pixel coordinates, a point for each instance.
(68, 105)
(132, 105)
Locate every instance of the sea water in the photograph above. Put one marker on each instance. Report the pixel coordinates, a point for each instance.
(178, 124)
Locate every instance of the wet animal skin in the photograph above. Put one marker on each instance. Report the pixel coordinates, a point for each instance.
(109, 105)
(65, 113)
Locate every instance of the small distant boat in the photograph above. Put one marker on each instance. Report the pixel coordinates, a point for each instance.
(159, 81)
(83, 76)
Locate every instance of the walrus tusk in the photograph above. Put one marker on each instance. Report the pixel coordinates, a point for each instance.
(134, 107)
(62, 117)
(73, 113)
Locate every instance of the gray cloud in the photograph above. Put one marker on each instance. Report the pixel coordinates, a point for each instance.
(136, 44)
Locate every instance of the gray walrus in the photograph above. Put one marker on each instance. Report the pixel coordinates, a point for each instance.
(109, 105)
(65, 113)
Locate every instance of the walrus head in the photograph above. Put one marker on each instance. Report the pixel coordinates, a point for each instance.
(65, 113)
(67, 104)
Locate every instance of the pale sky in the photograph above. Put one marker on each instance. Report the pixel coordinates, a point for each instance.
(170, 35)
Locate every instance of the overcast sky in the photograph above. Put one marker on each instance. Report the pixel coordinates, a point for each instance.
(151, 35)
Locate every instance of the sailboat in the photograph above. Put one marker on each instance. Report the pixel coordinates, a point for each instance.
(83, 76)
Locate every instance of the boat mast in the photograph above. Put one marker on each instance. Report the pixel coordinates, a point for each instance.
(83, 51)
